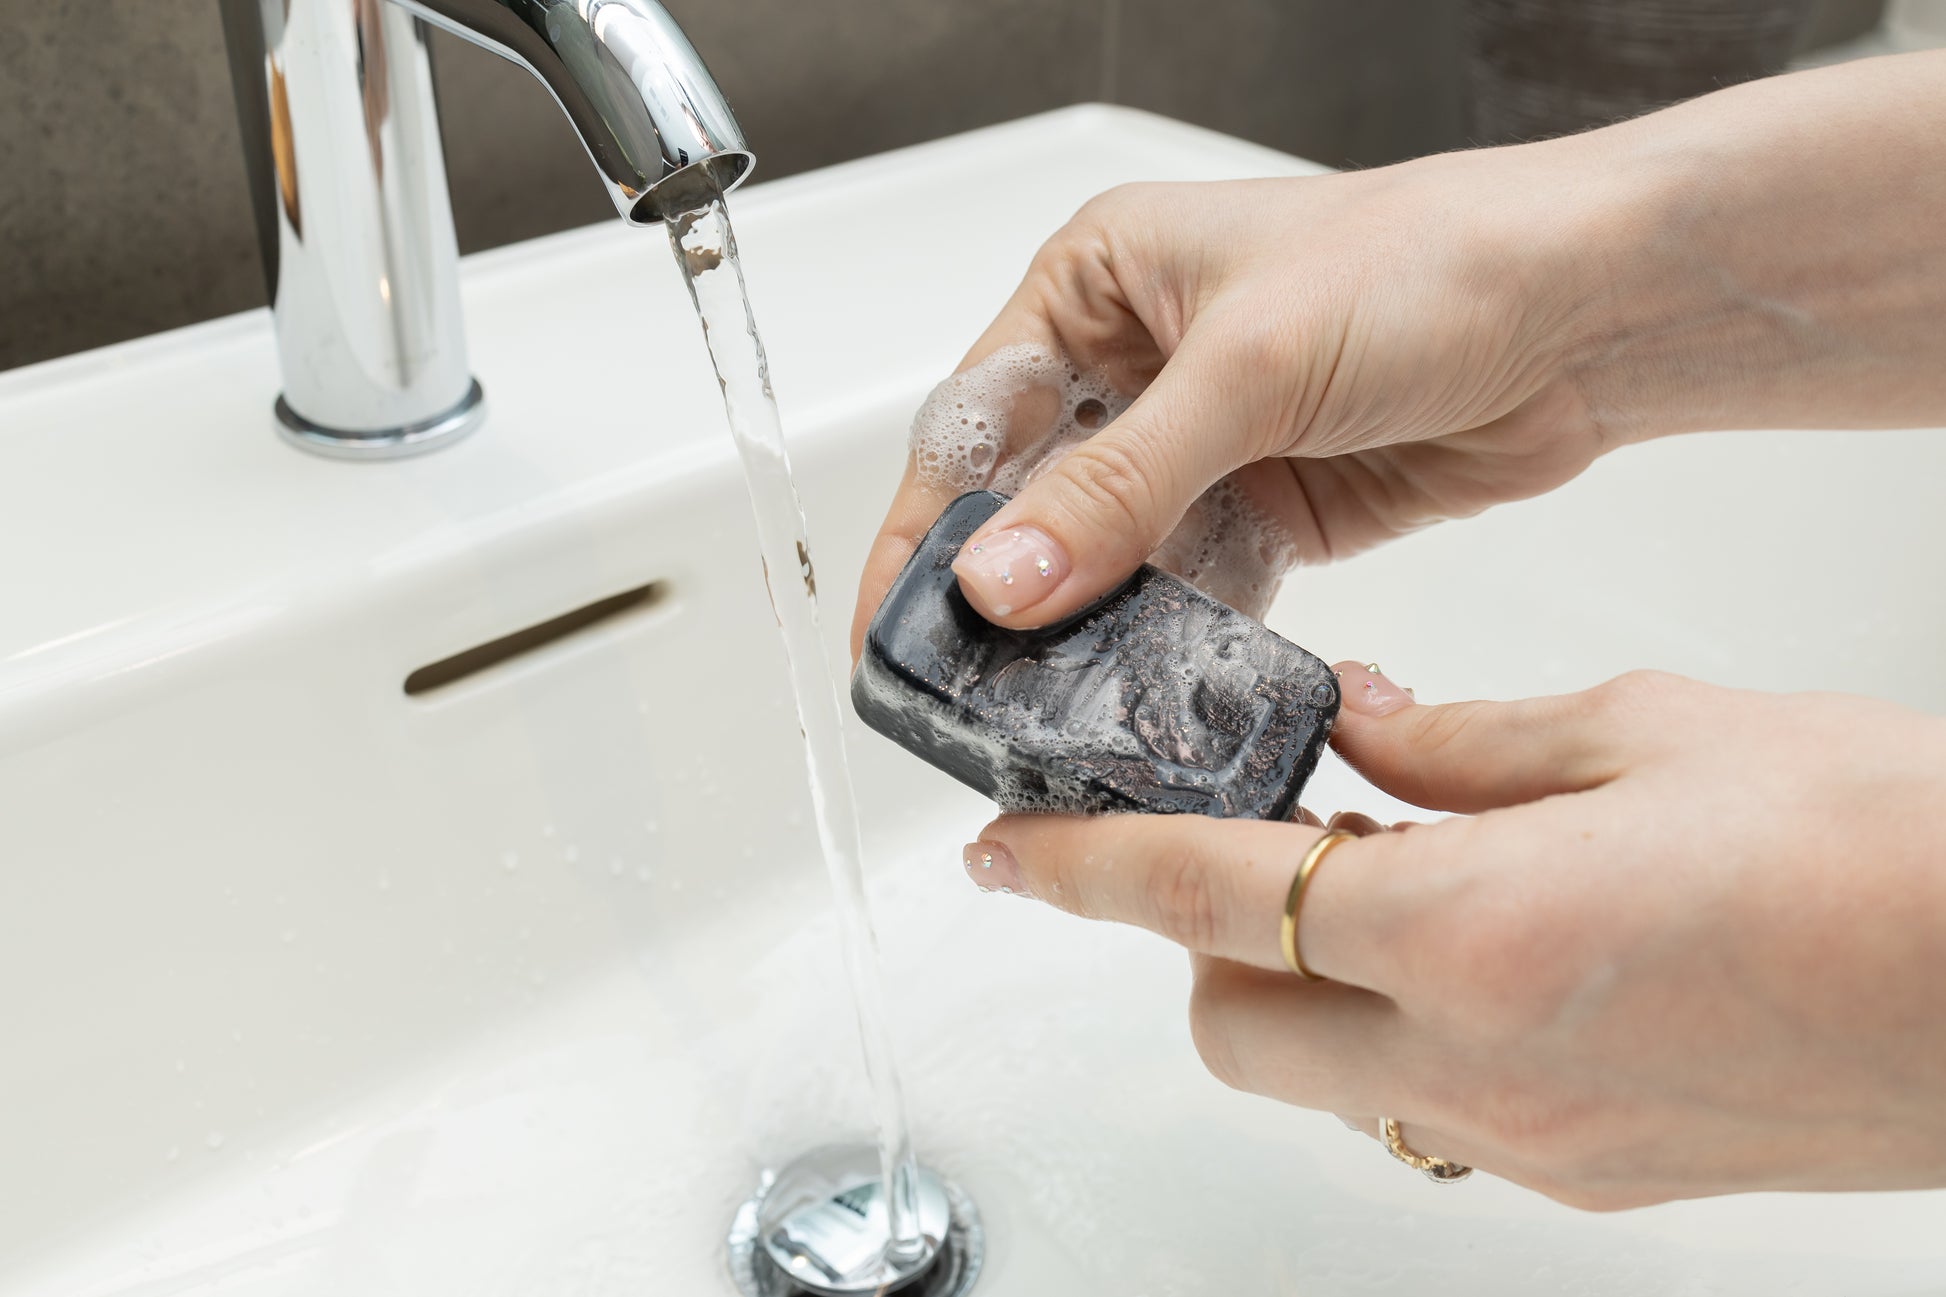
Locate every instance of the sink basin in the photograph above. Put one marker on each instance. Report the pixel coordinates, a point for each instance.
(514, 983)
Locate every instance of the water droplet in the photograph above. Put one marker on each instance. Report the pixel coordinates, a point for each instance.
(1321, 695)
(214, 1141)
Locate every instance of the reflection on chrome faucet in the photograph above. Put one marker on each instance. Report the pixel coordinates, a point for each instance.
(341, 133)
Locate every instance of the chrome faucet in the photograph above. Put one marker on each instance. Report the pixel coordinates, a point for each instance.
(348, 180)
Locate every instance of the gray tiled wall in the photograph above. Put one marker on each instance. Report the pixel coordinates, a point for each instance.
(122, 201)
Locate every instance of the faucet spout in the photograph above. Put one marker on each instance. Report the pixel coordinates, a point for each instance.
(653, 121)
(348, 179)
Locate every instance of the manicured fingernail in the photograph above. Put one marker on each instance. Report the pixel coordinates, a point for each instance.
(1365, 688)
(1010, 569)
(993, 867)
(1354, 822)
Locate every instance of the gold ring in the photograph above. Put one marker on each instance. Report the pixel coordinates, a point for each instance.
(1436, 1169)
(1294, 902)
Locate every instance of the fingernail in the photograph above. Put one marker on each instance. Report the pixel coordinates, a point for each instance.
(993, 867)
(1011, 569)
(1353, 822)
(1365, 688)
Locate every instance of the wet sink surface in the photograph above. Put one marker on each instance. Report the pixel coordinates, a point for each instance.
(514, 986)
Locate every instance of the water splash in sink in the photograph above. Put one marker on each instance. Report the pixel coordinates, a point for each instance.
(705, 248)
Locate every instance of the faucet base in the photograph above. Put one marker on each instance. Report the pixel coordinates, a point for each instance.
(817, 1229)
(417, 438)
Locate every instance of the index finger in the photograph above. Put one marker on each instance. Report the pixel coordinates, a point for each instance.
(914, 507)
(1217, 887)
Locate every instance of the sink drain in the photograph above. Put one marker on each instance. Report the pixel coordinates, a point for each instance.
(818, 1229)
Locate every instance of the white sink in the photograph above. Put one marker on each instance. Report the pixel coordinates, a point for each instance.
(514, 987)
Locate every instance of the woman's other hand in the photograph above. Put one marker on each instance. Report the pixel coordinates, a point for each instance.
(1688, 942)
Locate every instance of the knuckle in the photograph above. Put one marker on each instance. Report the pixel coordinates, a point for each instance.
(1112, 203)
(1258, 347)
(1505, 972)
(1185, 901)
(1632, 693)
(1209, 1031)
(1107, 477)
(1445, 730)
(1573, 1145)
(1059, 884)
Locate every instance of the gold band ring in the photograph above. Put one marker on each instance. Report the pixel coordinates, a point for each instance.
(1436, 1169)
(1294, 902)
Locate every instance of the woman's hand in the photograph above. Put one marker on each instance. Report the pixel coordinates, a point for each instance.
(1692, 940)
(1375, 351)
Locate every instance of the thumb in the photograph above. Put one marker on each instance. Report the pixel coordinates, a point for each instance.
(1080, 529)
(1474, 756)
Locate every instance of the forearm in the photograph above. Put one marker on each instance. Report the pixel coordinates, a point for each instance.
(1773, 255)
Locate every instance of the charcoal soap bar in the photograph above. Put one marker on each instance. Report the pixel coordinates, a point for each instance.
(1156, 699)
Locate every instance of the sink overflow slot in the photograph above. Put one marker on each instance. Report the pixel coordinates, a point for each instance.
(472, 661)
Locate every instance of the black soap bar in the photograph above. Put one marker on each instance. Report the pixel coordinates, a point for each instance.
(1158, 698)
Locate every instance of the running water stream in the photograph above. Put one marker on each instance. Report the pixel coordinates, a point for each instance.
(705, 248)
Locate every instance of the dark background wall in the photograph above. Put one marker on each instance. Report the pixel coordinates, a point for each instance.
(122, 200)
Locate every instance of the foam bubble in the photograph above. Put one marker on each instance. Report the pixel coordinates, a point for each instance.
(989, 428)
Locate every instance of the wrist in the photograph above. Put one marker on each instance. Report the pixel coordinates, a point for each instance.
(1767, 256)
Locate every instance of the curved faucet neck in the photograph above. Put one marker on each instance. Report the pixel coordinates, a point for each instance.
(348, 182)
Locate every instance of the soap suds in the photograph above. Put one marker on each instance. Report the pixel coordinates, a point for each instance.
(1007, 420)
